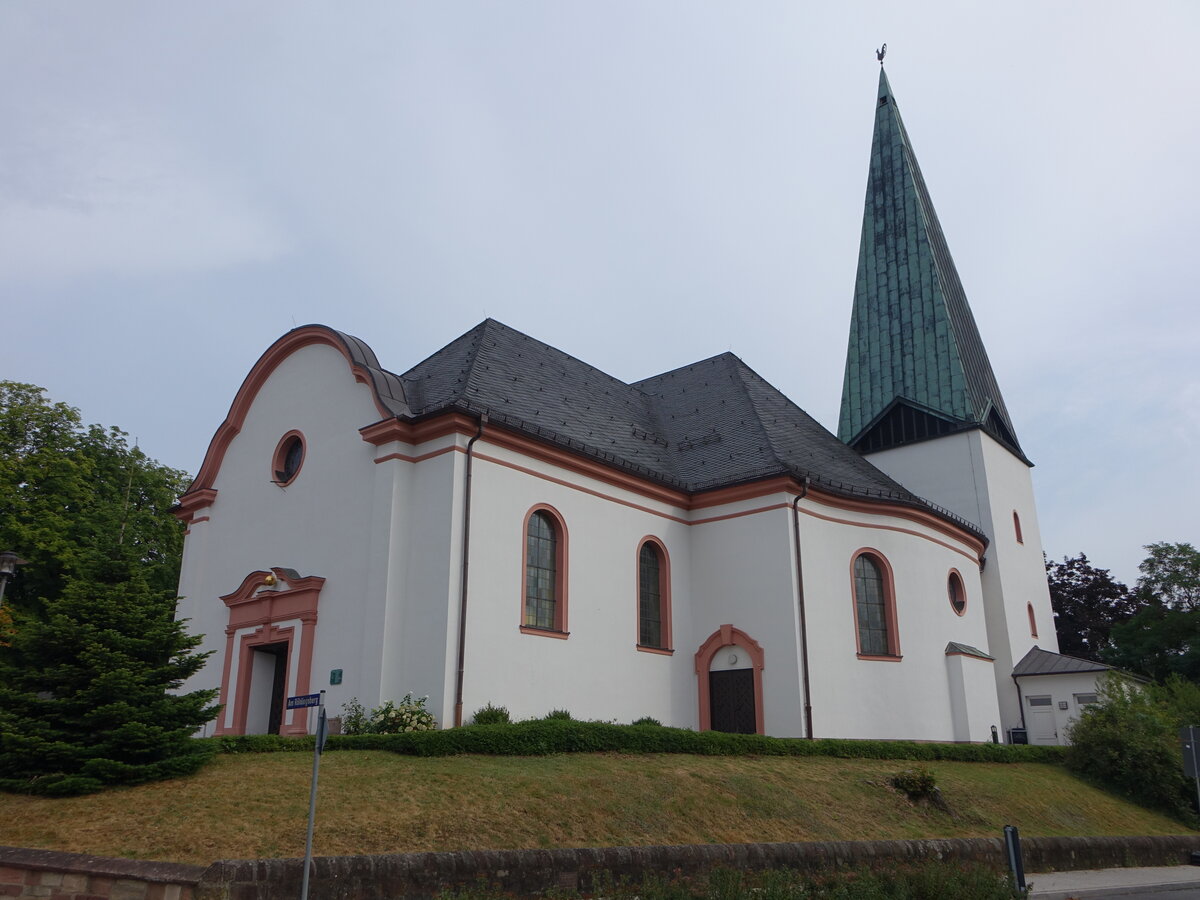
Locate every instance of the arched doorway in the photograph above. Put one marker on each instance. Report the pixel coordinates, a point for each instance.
(268, 652)
(729, 669)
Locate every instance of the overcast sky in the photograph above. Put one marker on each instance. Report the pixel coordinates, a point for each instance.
(641, 184)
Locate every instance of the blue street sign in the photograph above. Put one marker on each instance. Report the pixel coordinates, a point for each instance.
(304, 700)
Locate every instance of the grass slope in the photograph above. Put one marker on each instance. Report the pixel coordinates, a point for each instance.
(253, 805)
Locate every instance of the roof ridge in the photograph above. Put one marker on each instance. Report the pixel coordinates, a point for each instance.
(737, 365)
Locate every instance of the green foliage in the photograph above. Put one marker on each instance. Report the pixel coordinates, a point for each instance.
(78, 502)
(491, 715)
(647, 720)
(90, 664)
(1171, 575)
(918, 782)
(355, 719)
(1129, 742)
(541, 737)
(85, 701)
(1087, 603)
(1163, 638)
(907, 881)
(558, 714)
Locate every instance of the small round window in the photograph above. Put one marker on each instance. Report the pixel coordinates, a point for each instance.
(957, 593)
(289, 456)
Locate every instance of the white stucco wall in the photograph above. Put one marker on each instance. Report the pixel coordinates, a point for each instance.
(597, 671)
(974, 476)
(325, 523)
(909, 698)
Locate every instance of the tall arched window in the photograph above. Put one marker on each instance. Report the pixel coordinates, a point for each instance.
(1032, 620)
(1017, 527)
(654, 597)
(875, 607)
(545, 610)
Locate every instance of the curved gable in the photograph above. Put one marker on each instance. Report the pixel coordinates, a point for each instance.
(387, 393)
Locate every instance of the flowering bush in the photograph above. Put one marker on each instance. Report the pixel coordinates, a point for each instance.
(409, 714)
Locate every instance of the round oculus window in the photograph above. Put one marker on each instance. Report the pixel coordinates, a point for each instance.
(957, 593)
(289, 456)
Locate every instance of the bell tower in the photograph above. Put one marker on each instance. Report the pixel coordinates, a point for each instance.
(921, 402)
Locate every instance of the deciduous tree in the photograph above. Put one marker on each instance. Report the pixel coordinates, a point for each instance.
(1087, 603)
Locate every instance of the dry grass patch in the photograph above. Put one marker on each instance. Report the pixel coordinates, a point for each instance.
(245, 806)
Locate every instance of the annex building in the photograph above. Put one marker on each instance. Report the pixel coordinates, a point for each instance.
(504, 523)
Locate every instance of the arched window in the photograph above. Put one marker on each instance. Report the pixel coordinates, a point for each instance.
(875, 607)
(654, 597)
(545, 607)
(957, 592)
(1032, 620)
(1017, 527)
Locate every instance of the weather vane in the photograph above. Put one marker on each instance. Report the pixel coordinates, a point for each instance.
(881, 53)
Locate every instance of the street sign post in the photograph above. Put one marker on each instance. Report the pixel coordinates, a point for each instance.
(304, 701)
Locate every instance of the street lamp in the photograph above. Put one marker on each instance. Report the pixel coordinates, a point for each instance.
(8, 565)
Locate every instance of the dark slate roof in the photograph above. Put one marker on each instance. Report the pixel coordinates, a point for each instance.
(913, 339)
(1042, 662)
(710, 424)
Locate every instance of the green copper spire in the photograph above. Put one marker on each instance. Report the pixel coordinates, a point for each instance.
(915, 366)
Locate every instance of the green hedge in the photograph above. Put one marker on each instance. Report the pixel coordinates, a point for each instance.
(541, 737)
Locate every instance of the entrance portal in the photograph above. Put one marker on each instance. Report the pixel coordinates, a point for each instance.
(731, 701)
(268, 684)
(729, 682)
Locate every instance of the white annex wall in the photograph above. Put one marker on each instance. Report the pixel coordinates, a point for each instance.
(1064, 692)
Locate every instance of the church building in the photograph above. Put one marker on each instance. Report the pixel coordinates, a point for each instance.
(505, 523)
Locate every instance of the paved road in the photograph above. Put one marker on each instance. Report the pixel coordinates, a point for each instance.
(1166, 882)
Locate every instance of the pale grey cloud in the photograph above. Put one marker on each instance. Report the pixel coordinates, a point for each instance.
(639, 184)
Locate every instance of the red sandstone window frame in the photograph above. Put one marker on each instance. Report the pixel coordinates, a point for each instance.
(1017, 528)
(889, 605)
(953, 579)
(1033, 632)
(665, 645)
(279, 458)
(561, 556)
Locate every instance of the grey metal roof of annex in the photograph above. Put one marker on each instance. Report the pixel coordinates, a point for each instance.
(710, 424)
(1045, 662)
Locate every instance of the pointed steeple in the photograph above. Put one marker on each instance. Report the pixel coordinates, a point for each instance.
(915, 367)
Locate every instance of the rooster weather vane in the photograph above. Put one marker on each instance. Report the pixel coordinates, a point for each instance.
(881, 53)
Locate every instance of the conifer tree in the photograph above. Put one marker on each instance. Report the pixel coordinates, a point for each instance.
(93, 658)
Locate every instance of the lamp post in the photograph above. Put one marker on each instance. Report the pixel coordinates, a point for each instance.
(8, 565)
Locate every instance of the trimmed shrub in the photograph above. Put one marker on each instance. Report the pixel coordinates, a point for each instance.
(558, 714)
(647, 720)
(491, 715)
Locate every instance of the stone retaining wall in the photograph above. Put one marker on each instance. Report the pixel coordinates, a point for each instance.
(68, 876)
(50, 875)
